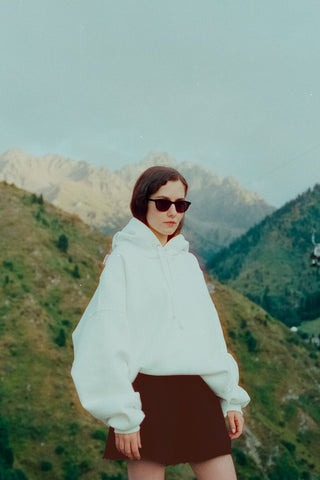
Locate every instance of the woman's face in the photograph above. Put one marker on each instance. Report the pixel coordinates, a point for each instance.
(165, 223)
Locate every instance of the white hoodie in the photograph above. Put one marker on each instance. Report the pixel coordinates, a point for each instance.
(151, 313)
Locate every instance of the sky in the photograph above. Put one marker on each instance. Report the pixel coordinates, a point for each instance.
(232, 85)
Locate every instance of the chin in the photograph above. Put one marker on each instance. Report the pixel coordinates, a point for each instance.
(173, 231)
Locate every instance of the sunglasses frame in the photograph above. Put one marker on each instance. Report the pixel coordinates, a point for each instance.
(186, 203)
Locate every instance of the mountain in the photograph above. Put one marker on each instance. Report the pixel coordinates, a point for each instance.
(49, 267)
(221, 210)
(271, 265)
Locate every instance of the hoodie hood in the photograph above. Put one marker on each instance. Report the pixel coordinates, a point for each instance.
(138, 234)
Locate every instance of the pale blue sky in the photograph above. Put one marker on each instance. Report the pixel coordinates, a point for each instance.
(231, 84)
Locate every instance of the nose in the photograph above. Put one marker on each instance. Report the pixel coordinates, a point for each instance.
(172, 210)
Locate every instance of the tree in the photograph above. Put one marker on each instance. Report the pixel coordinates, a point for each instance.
(75, 272)
(61, 338)
(63, 243)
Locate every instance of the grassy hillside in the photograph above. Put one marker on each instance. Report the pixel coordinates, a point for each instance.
(43, 292)
(312, 328)
(49, 267)
(270, 264)
(281, 373)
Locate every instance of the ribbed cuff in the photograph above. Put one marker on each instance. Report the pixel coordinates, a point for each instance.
(227, 407)
(132, 430)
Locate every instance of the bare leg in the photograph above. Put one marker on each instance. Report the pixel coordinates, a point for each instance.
(218, 468)
(145, 470)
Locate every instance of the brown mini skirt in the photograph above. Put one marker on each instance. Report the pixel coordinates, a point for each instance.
(183, 421)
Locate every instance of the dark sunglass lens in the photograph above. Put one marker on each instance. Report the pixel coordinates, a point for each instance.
(182, 206)
(163, 205)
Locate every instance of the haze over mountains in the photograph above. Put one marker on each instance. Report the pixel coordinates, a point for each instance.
(221, 209)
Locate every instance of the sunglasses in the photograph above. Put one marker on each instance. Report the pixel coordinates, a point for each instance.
(163, 205)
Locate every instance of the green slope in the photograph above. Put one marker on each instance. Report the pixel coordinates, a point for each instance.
(43, 291)
(281, 374)
(312, 327)
(41, 299)
(270, 264)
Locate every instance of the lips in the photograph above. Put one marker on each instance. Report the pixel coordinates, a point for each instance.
(170, 224)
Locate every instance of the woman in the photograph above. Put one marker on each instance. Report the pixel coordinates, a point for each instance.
(150, 357)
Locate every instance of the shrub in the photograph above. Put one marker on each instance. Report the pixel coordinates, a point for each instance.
(306, 475)
(26, 288)
(290, 411)
(99, 435)
(289, 446)
(36, 199)
(17, 475)
(75, 272)
(46, 466)
(85, 466)
(241, 457)
(105, 476)
(72, 472)
(283, 469)
(7, 457)
(8, 265)
(6, 453)
(39, 216)
(251, 342)
(231, 333)
(63, 243)
(61, 338)
(243, 323)
(74, 428)
(59, 450)
(303, 335)
(293, 339)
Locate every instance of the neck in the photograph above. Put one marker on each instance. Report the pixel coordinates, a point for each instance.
(162, 238)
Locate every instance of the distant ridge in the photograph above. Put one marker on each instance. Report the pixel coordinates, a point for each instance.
(221, 209)
(270, 264)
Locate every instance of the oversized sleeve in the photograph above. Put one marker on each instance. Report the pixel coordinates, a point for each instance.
(225, 383)
(102, 352)
(224, 379)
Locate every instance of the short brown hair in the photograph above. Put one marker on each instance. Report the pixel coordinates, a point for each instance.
(148, 183)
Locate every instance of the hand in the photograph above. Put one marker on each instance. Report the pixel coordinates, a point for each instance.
(129, 444)
(236, 422)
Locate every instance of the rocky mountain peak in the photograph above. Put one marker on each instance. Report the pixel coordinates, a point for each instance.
(221, 209)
